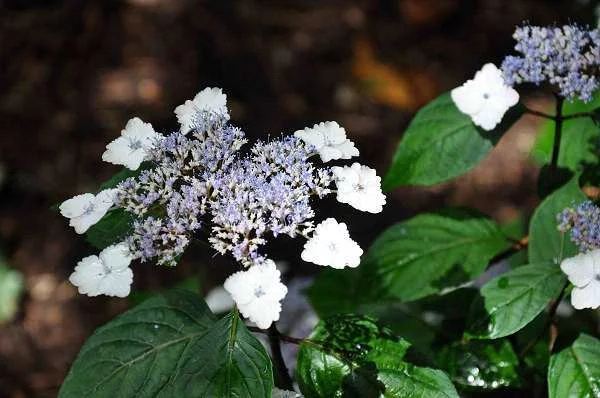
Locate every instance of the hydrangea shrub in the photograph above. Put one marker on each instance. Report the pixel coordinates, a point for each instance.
(444, 304)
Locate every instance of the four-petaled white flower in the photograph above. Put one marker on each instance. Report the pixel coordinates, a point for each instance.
(132, 147)
(258, 292)
(332, 246)
(107, 274)
(360, 187)
(329, 140)
(485, 98)
(87, 209)
(583, 272)
(211, 99)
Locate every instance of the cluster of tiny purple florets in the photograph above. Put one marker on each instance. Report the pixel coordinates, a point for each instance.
(567, 57)
(200, 183)
(583, 224)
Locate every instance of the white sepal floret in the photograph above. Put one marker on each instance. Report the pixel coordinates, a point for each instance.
(133, 146)
(583, 271)
(486, 97)
(108, 273)
(258, 292)
(329, 140)
(332, 246)
(360, 187)
(87, 209)
(211, 99)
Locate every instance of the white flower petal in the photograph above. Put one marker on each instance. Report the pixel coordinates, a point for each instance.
(360, 187)
(587, 296)
(116, 257)
(87, 275)
(311, 137)
(77, 205)
(117, 283)
(107, 274)
(488, 118)
(329, 140)
(131, 148)
(211, 99)
(105, 199)
(332, 246)
(82, 223)
(579, 269)
(485, 98)
(347, 149)
(467, 98)
(329, 153)
(258, 292)
(86, 210)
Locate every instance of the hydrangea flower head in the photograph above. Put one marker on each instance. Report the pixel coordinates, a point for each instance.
(567, 57)
(332, 246)
(485, 98)
(87, 209)
(107, 274)
(199, 185)
(258, 292)
(132, 147)
(211, 99)
(583, 272)
(360, 187)
(329, 140)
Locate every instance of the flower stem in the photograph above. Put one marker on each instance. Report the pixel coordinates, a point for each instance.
(558, 121)
(538, 113)
(282, 375)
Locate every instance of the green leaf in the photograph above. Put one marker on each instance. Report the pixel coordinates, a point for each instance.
(320, 374)
(342, 291)
(575, 371)
(171, 346)
(481, 365)
(406, 380)
(579, 137)
(546, 243)
(351, 356)
(115, 226)
(192, 284)
(513, 299)
(430, 252)
(442, 143)
(11, 288)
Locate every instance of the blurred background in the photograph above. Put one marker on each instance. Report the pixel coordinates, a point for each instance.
(73, 72)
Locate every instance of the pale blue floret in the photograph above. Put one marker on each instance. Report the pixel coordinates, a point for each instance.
(583, 224)
(566, 57)
(240, 198)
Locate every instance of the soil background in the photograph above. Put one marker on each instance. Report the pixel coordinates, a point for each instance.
(73, 72)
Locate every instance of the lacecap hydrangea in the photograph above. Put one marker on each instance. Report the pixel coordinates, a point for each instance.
(205, 182)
